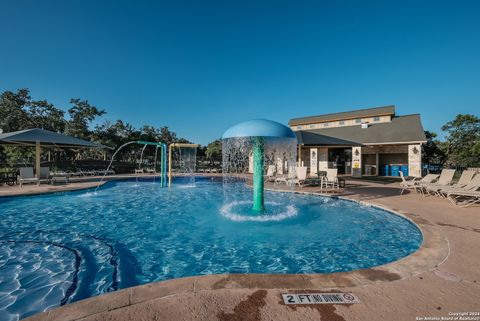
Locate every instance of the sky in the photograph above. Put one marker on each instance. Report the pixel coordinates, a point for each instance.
(200, 67)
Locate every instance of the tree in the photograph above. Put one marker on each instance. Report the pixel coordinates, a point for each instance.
(13, 115)
(463, 141)
(214, 151)
(18, 111)
(81, 115)
(43, 114)
(432, 153)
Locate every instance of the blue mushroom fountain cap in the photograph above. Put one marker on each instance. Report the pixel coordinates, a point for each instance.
(259, 128)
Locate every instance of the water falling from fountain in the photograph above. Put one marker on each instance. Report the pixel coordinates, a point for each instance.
(140, 163)
(188, 164)
(259, 152)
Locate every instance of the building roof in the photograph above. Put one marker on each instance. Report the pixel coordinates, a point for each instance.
(45, 137)
(402, 129)
(360, 113)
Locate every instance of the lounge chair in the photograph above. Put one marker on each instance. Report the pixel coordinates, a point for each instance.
(464, 180)
(445, 179)
(468, 197)
(26, 176)
(45, 175)
(270, 175)
(139, 171)
(468, 193)
(151, 171)
(331, 179)
(414, 184)
(301, 172)
(285, 178)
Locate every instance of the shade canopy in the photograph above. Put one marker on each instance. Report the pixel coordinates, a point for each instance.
(259, 128)
(29, 137)
(40, 137)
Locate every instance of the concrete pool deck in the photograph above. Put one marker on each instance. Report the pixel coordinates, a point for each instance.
(441, 278)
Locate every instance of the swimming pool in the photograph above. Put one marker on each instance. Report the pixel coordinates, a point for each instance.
(60, 248)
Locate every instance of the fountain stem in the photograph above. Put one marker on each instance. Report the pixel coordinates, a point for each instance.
(258, 159)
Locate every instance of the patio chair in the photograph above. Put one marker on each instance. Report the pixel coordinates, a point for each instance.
(469, 193)
(413, 183)
(301, 172)
(331, 179)
(445, 179)
(151, 171)
(139, 171)
(270, 175)
(469, 198)
(26, 176)
(285, 178)
(45, 175)
(464, 180)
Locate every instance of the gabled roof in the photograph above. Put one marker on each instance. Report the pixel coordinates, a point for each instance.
(402, 129)
(360, 113)
(45, 137)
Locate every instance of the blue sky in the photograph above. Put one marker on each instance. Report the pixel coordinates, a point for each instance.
(202, 66)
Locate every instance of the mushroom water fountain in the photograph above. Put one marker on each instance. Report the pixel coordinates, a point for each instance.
(264, 148)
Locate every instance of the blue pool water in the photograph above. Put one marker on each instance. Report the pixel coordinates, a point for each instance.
(60, 248)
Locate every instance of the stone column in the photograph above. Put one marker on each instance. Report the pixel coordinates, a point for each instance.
(415, 160)
(357, 161)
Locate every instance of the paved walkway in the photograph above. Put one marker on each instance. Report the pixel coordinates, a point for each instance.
(405, 290)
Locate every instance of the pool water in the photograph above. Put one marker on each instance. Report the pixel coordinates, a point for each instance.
(60, 248)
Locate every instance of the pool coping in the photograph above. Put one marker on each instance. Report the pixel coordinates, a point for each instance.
(433, 251)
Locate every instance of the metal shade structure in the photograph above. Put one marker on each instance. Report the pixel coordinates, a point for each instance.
(37, 137)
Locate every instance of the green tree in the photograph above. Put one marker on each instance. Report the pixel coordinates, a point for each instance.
(432, 153)
(214, 151)
(462, 146)
(13, 114)
(18, 111)
(82, 114)
(43, 114)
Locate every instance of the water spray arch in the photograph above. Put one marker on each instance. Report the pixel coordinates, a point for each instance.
(163, 159)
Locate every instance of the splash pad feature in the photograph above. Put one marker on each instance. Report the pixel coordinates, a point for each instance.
(191, 168)
(163, 160)
(257, 145)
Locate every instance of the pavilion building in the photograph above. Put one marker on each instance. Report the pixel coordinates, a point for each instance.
(373, 141)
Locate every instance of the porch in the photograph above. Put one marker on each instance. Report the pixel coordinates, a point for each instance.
(364, 160)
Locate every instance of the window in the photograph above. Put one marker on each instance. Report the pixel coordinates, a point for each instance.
(326, 124)
(376, 118)
(358, 121)
(341, 122)
(312, 126)
(299, 127)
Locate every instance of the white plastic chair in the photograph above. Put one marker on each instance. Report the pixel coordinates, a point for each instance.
(331, 179)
